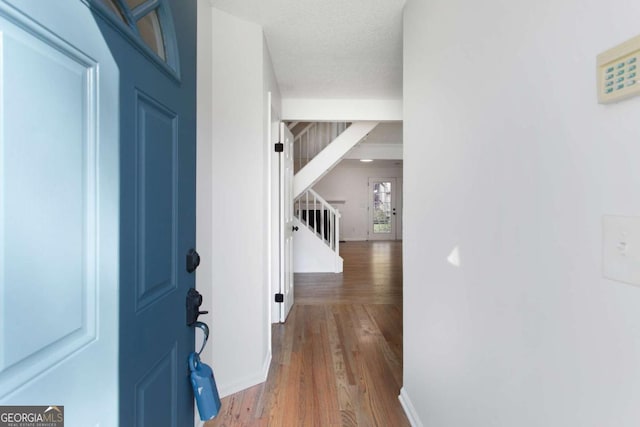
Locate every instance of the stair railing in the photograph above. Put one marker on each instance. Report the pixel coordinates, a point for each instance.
(320, 217)
(313, 139)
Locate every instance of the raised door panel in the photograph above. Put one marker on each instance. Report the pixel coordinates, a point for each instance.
(156, 207)
(48, 212)
(158, 385)
(58, 212)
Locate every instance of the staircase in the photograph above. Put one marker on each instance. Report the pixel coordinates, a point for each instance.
(325, 154)
(318, 147)
(317, 239)
(314, 138)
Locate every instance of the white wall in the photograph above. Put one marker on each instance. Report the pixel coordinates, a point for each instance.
(386, 133)
(383, 142)
(233, 180)
(509, 157)
(312, 254)
(347, 183)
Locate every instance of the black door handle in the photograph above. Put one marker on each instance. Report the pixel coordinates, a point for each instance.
(193, 303)
(294, 228)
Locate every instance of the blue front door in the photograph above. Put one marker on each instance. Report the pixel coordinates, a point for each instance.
(154, 45)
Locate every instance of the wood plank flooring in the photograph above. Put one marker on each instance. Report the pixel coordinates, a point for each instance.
(337, 361)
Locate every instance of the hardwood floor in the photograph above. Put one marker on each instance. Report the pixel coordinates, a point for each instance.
(337, 361)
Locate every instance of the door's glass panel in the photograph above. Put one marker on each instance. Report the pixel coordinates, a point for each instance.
(153, 22)
(115, 9)
(151, 33)
(134, 3)
(382, 207)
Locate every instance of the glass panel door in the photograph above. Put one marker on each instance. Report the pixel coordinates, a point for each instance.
(382, 209)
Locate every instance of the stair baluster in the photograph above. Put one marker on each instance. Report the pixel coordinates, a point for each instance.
(314, 138)
(320, 217)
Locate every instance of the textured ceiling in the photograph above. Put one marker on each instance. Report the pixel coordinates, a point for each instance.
(330, 48)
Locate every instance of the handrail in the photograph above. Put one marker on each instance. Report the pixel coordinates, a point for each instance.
(320, 217)
(320, 199)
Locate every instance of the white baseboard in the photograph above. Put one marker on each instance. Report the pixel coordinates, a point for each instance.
(409, 409)
(248, 381)
(266, 365)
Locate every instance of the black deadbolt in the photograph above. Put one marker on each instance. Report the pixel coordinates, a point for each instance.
(193, 260)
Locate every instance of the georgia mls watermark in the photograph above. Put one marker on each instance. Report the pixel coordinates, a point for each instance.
(31, 416)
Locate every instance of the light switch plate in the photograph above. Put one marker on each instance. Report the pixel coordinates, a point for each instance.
(618, 72)
(621, 248)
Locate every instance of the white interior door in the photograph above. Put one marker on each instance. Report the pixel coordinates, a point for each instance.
(274, 213)
(382, 209)
(59, 206)
(286, 222)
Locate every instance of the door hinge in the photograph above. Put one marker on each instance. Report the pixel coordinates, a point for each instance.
(279, 297)
(279, 147)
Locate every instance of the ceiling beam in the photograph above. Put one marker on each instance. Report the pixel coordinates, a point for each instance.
(334, 110)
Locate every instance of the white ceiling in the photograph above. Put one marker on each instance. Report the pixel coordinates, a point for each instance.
(330, 48)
